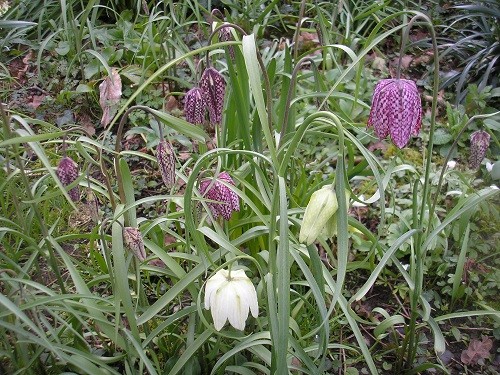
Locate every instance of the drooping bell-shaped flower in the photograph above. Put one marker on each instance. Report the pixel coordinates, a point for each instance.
(194, 106)
(134, 241)
(320, 209)
(166, 162)
(396, 110)
(226, 200)
(479, 143)
(67, 171)
(214, 88)
(230, 295)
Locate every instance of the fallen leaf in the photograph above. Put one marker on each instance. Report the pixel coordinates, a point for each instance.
(171, 104)
(110, 93)
(36, 101)
(477, 351)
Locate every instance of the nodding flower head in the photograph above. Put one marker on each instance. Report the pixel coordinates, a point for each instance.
(396, 110)
(231, 295)
(67, 171)
(166, 162)
(226, 200)
(194, 106)
(479, 143)
(133, 240)
(213, 87)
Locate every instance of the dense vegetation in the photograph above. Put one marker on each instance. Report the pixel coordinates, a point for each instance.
(191, 187)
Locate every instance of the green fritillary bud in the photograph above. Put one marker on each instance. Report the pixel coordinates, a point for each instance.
(321, 207)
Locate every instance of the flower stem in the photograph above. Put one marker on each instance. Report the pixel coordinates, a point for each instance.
(411, 343)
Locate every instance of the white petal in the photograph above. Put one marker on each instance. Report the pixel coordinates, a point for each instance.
(212, 285)
(247, 292)
(238, 310)
(222, 303)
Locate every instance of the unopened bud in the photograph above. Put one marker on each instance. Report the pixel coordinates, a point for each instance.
(166, 162)
(479, 143)
(133, 240)
(67, 171)
(321, 207)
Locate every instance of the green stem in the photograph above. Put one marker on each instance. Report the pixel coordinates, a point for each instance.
(419, 253)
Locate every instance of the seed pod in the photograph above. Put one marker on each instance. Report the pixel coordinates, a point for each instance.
(194, 106)
(133, 240)
(166, 162)
(214, 88)
(67, 171)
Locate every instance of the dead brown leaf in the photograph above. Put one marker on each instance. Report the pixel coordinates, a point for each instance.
(477, 351)
(36, 101)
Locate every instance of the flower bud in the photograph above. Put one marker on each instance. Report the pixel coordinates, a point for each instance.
(330, 228)
(225, 35)
(110, 92)
(133, 240)
(67, 171)
(479, 143)
(166, 162)
(321, 207)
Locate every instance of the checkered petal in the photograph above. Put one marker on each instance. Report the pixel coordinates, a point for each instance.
(67, 171)
(226, 201)
(479, 143)
(213, 87)
(194, 106)
(166, 162)
(396, 110)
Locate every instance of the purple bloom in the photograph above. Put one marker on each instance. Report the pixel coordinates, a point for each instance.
(396, 110)
(213, 87)
(166, 162)
(479, 143)
(228, 200)
(67, 171)
(194, 106)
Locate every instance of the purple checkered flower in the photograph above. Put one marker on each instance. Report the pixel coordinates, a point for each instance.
(226, 200)
(194, 106)
(67, 171)
(166, 162)
(134, 241)
(479, 143)
(213, 87)
(396, 110)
